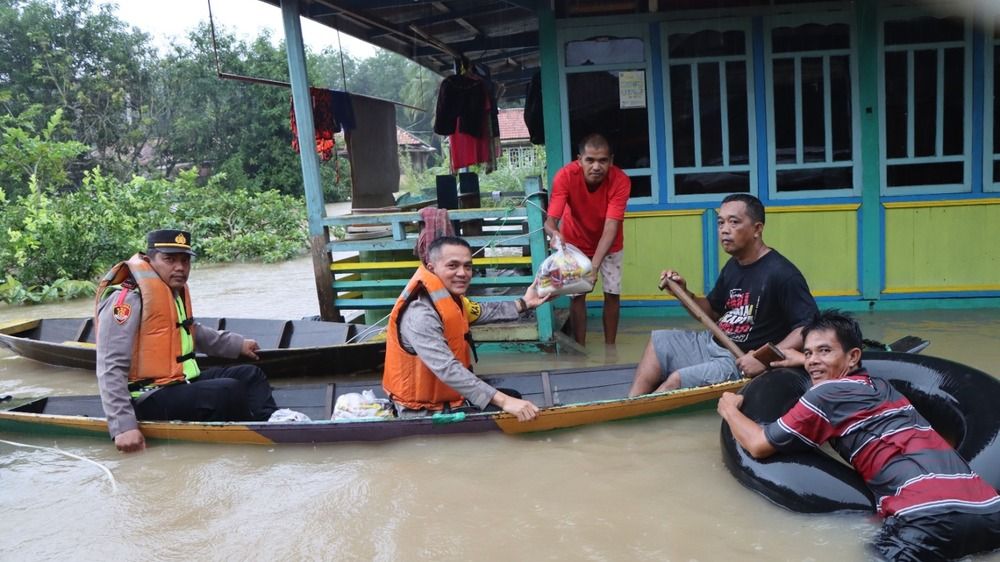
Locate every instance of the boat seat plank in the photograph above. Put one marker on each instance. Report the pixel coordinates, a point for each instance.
(83, 332)
(268, 333)
(59, 329)
(309, 333)
(89, 406)
(309, 399)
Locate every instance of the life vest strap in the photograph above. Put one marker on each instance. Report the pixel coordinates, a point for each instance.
(185, 357)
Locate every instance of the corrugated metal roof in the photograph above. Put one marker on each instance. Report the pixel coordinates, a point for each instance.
(502, 35)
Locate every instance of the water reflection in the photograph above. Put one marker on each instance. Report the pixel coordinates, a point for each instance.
(652, 489)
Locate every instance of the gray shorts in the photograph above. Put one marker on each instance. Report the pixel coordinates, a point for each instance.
(695, 355)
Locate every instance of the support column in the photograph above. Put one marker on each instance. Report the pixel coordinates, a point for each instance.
(870, 235)
(549, 53)
(536, 241)
(315, 208)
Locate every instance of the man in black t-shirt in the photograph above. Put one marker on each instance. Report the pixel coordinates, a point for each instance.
(760, 297)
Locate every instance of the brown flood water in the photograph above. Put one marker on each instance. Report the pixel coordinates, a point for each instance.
(652, 489)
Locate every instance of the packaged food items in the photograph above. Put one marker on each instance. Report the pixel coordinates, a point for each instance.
(363, 406)
(565, 272)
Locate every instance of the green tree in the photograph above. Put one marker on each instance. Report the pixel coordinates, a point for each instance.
(64, 54)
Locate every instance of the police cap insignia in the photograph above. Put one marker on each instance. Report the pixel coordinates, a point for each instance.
(169, 241)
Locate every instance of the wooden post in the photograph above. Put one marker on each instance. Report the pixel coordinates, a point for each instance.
(536, 218)
(315, 206)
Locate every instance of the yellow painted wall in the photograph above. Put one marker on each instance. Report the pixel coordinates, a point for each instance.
(821, 241)
(656, 241)
(942, 246)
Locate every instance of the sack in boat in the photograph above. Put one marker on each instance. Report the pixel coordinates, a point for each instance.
(564, 273)
(355, 406)
(286, 415)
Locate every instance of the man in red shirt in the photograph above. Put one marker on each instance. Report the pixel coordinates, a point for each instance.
(586, 210)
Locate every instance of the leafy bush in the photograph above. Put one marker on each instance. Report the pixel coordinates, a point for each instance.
(47, 239)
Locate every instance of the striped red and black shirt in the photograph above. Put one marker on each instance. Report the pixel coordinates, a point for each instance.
(908, 466)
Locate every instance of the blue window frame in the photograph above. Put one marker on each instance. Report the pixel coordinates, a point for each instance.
(813, 122)
(991, 109)
(925, 91)
(708, 85)
(607, 89)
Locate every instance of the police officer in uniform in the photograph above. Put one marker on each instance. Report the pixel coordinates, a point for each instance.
(146, 343)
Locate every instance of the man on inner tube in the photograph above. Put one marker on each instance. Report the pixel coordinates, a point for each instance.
(760, 297)
(935, 507)
(428, 354)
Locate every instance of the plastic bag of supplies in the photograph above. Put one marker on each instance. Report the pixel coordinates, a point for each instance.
(564, 273)
(363, 406)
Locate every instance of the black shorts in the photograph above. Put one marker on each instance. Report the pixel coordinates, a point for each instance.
(937, 536)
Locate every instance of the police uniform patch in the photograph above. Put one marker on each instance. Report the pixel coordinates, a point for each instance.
(122, 312)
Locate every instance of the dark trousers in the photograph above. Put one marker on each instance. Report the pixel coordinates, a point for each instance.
(939, 536)
(237, 393)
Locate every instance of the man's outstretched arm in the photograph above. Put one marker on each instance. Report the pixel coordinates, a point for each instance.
(748, 433)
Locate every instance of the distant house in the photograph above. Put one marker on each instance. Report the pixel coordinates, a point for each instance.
(415, 149)
(516, 148)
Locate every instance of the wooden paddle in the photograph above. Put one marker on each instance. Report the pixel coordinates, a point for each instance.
(698, 313)
(765, 354)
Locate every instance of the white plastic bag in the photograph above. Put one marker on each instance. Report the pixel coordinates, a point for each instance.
(354, 406)
(564, 273)
(285, 415)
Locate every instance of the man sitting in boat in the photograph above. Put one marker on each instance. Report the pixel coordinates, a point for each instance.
(759, 298)
(146, 343)
(428, 353)
(935, 507)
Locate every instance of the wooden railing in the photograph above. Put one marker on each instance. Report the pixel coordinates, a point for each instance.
(373, 279)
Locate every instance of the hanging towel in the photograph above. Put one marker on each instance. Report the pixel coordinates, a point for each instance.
(343, 112)
(436, 225)
(323, 121)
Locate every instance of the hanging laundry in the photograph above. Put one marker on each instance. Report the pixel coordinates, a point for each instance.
(436, 225)
(467, 113)
(323, 120)
(343, 112)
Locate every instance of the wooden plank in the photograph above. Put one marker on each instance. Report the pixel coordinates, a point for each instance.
(453, 214)
(324, 277)
(389, 244)
(358, 304)
(17, 326)
(507, 281)
(493, 261)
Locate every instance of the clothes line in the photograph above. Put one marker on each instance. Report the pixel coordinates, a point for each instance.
(269, 82)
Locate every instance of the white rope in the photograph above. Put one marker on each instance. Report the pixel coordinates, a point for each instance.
(111, 477)
(369, 329)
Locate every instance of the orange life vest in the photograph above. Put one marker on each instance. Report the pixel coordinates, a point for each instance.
(158, 346)
(406, 378)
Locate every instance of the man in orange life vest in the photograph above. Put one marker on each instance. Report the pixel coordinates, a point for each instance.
(146, 342)
(428, 354)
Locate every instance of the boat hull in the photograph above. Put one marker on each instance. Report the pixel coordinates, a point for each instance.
(605, 385)
(291, 348)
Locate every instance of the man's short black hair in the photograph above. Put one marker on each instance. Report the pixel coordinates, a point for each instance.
(435, 246)
(847, 330)
(755, 209)
(594, 140)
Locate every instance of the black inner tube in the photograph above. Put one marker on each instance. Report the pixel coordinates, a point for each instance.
(961, 403)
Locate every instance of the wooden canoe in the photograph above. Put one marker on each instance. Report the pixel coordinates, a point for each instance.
(288, 347)
(567, 398)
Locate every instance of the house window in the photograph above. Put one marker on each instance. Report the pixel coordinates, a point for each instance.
(520, 157)
(925, 92)
(991, 174)
(812, 110)
(709, 114)
(606, 91)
